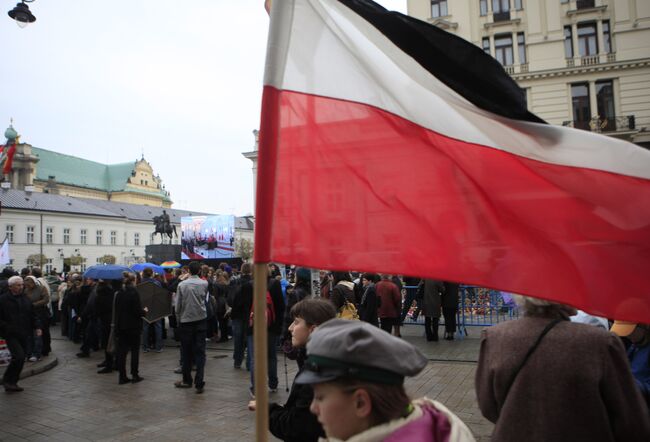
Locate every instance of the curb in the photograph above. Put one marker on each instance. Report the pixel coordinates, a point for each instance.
(41, 368)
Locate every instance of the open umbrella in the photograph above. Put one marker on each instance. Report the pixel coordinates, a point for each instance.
(157, 300)
(170, 265)
(106, 271)
(141, 266)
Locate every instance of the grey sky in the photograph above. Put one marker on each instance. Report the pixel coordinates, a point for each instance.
(180, 81)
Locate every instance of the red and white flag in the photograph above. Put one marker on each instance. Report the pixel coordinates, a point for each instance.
(389, 145)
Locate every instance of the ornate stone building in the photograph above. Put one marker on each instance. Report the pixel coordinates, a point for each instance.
(73, 213)
(42, 170)
(581, 63)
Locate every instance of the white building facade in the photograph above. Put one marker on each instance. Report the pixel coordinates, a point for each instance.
(581, 63)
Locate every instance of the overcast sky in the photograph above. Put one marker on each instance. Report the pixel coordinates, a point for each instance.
(180, 81)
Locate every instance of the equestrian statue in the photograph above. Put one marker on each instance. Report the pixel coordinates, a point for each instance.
(164, 227)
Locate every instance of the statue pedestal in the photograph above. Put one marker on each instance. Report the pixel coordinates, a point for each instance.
(159, 253)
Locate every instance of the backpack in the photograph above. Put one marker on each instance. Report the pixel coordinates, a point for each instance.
(348, 311)
(270, 311)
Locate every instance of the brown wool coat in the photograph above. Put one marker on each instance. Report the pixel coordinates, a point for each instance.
(576, 386)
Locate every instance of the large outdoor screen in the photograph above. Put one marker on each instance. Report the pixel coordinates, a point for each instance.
(208, 237)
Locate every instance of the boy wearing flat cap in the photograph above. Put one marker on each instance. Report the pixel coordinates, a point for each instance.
(357, 372)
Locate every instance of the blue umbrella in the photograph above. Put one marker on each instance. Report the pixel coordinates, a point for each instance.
(106, 272)
(141, 266)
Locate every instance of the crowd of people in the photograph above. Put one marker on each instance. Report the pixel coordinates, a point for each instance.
(348, 349)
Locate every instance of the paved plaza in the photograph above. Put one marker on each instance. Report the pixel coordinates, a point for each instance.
(71, 402)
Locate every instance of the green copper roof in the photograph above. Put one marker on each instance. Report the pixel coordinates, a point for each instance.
(76, 171)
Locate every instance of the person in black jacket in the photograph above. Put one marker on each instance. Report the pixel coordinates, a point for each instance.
(104, 313)
(293, 420)
(17, 320)
(128, 327)
(240, 301)
(449, 302)
(369, 306)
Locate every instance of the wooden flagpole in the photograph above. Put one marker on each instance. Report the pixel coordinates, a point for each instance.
(260, 350)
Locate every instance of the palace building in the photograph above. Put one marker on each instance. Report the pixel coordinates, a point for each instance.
(64, 212)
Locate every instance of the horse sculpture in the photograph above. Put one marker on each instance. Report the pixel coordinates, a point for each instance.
(164, 227)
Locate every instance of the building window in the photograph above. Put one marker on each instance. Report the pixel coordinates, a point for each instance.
(49, 235)
(483, 6)
(605, 102)
(568, 42)
(587, 40)
(9, 232)
(438, 8)
(503, 49)
(580, 104)
(486, 45)
(113, 237)
(136, 239)
(66, 235)
(82, 237)
(99, 237)
(501, 10)
(48, 266)
(606, 37)
(582, 4)
(30, 234)
(519, 5)
(521, 44)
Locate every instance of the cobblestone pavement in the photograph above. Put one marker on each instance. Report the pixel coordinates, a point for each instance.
(73, 403)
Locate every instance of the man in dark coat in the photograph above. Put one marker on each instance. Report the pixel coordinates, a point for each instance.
(104, 312)
(431, 292)
(369, 306)
(128, 327)
(17, 320)
(240, 300)
(449, 302)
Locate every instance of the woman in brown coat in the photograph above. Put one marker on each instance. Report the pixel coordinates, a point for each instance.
(576, 385)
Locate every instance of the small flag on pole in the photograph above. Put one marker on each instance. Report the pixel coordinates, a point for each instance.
(4, 253)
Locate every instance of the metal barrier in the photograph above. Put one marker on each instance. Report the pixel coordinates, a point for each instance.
(477, 307)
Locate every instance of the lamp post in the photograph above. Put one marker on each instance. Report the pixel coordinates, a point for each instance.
(22, 14)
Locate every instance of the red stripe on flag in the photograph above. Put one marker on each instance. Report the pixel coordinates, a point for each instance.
(359, 188)
(8, 166)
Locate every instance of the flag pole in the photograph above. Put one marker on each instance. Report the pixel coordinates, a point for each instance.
(264, 205)
(260, 352)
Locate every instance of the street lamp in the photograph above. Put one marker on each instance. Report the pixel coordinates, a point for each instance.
(22, 14)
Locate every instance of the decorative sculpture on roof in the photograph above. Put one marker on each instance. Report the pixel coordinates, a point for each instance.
(164, 226)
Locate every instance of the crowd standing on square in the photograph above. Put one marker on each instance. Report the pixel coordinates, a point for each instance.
(348, 348)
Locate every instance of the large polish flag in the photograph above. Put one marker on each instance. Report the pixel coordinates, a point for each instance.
(389, 145)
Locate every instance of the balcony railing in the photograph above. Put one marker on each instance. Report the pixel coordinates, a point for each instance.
(591, 60)
(599, 124)
(516, 68)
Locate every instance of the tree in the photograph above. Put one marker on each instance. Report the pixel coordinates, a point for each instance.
(107, 259)
(37, 259)
(244, 248)
(74, 260)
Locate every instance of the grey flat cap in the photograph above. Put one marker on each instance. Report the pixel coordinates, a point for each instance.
(356, 349)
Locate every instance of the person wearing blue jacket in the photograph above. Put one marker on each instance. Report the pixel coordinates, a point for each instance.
(637, 340)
